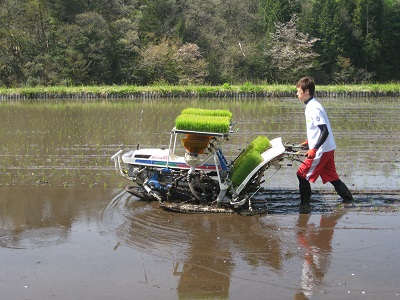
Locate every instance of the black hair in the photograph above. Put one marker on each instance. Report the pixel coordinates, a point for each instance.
(307, 83)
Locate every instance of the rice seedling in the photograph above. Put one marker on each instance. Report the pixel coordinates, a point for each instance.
(203, 123)
(207, 112)
(203, 120)
(249, 159)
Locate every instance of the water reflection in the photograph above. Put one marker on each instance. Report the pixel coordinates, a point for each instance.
(33, 220)
(55, 174)
(205, 248)
(316, 242)
(42, 217)
(211, 256)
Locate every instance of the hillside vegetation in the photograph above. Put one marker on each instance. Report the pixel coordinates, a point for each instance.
(206, 42)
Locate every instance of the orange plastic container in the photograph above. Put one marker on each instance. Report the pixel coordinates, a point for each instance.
(196, 143)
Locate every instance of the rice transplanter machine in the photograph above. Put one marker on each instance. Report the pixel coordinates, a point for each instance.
(202, 180)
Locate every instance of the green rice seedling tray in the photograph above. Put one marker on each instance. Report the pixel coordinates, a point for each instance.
(207, 112)
(204, 120)
(249, 160)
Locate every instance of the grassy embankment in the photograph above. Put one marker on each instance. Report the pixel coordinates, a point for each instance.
(170, 91)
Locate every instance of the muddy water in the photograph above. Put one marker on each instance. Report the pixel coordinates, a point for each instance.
(69, 231)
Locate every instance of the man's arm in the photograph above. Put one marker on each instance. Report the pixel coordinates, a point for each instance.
(323, 136)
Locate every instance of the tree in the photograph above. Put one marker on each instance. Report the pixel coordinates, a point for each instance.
(158, 20)
(276, 11)
(86, 47)
(346, 73)
(10, 49)
(125, 50)
(66, 10)
(23, 34)
(367, 30)
(192, 67)
(328, 27)
(291, 52)
(52, 42)
(157, 63)
(389, 62)
(229, 36)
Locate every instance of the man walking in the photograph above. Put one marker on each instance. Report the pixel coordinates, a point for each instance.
(321, 147)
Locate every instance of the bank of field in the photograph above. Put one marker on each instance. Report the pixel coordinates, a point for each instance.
(204, 91)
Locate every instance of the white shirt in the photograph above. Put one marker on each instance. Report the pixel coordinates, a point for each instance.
(316, 115)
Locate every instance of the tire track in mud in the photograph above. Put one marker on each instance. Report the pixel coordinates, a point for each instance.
(324, 201)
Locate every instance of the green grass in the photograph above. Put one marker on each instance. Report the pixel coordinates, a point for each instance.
(198, 90)
(367, 88)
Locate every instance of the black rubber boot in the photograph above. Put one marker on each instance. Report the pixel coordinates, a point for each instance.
(345, 193)
(305, 196)
(305, 193)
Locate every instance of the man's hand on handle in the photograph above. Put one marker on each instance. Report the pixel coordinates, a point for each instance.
(304, 145)
(311, 153)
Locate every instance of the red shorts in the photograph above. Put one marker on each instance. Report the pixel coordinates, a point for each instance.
(323, 166)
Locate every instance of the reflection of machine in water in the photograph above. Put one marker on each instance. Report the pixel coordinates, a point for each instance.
(206, 273)
(202, 180)
(207, 246)
(213, 253)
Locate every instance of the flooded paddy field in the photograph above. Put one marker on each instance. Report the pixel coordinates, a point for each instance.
(68, 229)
